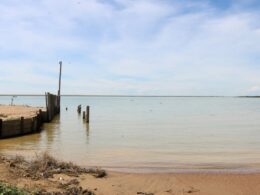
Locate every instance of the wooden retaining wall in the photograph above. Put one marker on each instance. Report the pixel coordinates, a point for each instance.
(20, 126)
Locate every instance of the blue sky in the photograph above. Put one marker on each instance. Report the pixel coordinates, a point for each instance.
(136, 47)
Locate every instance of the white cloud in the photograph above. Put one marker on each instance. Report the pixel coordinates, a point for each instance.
(254, 90)
(138, 47)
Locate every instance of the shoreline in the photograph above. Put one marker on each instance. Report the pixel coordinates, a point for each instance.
(107, 95)
(182, 171)
(203, 168)
(15, 173)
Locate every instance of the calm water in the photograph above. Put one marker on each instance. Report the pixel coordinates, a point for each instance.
(149, 133)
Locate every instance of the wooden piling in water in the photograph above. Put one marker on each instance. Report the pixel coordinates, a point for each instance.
(84, 114)
(87, 114)
(79, 109)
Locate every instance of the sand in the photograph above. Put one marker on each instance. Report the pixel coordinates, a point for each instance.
(177, 184)
(145, 184)
(16, 111)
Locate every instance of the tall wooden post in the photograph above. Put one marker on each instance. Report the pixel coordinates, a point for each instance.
(87, 114)
(59, 86)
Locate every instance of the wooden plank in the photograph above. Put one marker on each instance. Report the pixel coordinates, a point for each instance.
(38, 122)
(22, 125)
(49, 107)
(1, 124)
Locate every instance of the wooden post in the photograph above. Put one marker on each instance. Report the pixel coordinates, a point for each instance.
(22, 125)
(32, 124)
(84, 114)
(50, 107)
(40, 113)
(38, 122)
(46, 100)
(47, 106)
(87, 113)
(59, 87)
(79, 109)
(1, 127)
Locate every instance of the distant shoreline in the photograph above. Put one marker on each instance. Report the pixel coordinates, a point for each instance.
(177, 96)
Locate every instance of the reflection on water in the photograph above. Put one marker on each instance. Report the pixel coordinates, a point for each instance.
(152, 133)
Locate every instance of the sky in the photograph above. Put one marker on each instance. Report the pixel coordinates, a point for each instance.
(130, 47)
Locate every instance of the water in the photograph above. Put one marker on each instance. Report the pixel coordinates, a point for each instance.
(149, 133)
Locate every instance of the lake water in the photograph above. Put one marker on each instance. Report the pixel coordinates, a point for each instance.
(149, 133)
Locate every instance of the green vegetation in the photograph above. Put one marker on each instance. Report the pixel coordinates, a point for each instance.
(10, 190)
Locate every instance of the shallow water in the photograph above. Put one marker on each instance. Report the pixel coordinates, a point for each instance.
(149, 133)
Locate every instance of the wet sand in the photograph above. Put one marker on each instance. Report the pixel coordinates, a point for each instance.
(177, 184)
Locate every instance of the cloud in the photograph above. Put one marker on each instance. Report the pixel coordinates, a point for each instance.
(130, 47)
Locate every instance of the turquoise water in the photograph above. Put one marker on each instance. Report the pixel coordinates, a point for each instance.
(149, 133)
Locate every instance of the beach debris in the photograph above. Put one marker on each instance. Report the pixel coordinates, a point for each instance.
(144, 193)
(45, 166)
(191, 190)
(65, 185)
(3, 116)
(71, 190)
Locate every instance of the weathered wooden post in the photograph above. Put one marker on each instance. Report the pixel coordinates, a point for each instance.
(84, 114)
(79, 109)
(49, 109)
(1, 127)
(41, 116)
(38, 126)
(58, 110)
(32, 124)
(87, 113)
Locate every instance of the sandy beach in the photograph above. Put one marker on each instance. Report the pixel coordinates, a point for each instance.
(16, 111)
(175, 184)
(134, 183)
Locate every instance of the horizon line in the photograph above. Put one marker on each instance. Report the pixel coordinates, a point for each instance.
(120, 95)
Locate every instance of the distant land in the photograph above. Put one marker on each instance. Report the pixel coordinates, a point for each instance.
(93, 95)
